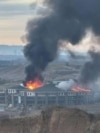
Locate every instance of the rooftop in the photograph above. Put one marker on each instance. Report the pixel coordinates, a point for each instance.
(46, 87)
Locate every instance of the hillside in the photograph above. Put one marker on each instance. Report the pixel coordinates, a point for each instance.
(14, 74)
(54, 120)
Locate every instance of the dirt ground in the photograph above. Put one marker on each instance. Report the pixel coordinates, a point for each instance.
(54, 120)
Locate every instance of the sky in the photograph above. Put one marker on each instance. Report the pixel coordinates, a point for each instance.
(14, 15)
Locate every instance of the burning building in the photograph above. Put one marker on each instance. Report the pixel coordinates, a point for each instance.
(45, 96)
(65, 21)
(32, 85)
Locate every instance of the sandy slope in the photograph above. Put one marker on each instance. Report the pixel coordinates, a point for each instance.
(57, 120)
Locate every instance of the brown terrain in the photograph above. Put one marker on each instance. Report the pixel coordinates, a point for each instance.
(54, 120)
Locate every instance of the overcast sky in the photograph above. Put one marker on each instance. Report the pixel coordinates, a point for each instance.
(14, 15)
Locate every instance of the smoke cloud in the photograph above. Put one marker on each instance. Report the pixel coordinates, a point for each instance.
(91, 70)
(68, 20)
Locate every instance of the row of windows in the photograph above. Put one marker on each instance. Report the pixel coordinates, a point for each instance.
(30, 94)
(22, 93)
(11, 91)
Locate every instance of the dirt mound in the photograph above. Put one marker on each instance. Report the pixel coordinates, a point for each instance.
(55, 120)
(62, 120)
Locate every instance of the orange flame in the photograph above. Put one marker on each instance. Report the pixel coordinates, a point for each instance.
(80, 89)
(32, 85)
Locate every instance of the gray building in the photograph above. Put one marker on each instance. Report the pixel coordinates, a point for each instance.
(48, 95)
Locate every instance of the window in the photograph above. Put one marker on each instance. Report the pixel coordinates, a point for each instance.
(11, 91)
(30, 94)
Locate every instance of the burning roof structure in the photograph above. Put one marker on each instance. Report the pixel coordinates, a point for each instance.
(67, 20)
(32, 85)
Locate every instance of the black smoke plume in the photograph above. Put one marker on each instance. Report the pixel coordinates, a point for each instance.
(91, 70)
(68, 20)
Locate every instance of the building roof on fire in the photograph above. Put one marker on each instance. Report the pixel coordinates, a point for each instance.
(47, 87)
